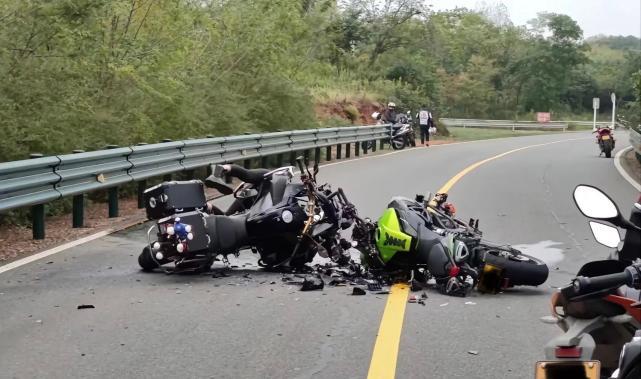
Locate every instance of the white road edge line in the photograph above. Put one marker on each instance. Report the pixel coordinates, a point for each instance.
(69, 245)
(624, 174)
(55, 250)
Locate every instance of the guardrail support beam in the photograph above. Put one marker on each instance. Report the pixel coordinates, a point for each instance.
(306, 156)
(339, 151)
(113, 202)
(247, 163)
(292, 158)
(279, 160)
(374, 146)
(357, 149)
(317, 155)
(348, 150)
(264, 161)
(382, 145)
(78, 216)
(38, 221)
(365, 147)
(142, 186)
(328, 153)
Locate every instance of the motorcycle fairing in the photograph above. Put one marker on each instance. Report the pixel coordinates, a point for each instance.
(389, 237)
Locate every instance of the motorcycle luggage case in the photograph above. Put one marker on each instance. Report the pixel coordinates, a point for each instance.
(198, 222)
(169, 198)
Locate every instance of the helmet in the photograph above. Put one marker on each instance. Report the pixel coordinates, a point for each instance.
(391, 105)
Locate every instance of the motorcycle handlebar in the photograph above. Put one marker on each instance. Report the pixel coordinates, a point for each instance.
(631, 277)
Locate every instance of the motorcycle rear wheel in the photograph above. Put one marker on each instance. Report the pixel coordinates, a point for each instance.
(607, 149)
(520, 269)
(146, 261)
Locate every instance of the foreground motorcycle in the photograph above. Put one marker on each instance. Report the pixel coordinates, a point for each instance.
(285, 222)
(512, 266)
(600, 320)
(605, 140)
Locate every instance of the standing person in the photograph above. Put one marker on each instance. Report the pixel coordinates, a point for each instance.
(425, 122)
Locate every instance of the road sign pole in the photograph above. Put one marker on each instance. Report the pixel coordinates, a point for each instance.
(595, 106)
(614, 107)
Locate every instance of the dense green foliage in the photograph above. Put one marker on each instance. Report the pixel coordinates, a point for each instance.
(85, 73)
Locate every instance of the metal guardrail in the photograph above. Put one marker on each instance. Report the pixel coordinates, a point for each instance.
(34, 182)
(503, 124)
(635, 141)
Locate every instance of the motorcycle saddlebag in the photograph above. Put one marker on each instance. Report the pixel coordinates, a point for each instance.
(198, 222)
(169, 198)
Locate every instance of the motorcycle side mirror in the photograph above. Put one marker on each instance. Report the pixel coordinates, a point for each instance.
(606, 235)
(595, 204)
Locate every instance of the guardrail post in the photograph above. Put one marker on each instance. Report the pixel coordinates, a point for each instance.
(142, 186)
(317, 155)
(365, 147)
(373, 146)
(382, 144)
(339, 151)
(264, 161)
(37, 214)
(247, 163)
(292, 158)
(328, 153)
(279, 160)
(78, 210)
(357, 149)
(348, 150)
(113, 193)
(306, 156)
(513, 127)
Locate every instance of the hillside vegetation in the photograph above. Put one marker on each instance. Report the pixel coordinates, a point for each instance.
(80, 74)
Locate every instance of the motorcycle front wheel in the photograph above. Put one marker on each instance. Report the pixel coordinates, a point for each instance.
(398, 143)
(520, 269)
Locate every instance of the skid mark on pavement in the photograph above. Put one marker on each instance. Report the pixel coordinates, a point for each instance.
(383, 364)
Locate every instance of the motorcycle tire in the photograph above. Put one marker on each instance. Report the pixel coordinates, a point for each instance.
(520, 269)
(607, 149)
(146, 261)
(398, 144)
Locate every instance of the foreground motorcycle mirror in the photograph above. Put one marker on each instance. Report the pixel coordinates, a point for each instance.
(606, 235)
(595, 204)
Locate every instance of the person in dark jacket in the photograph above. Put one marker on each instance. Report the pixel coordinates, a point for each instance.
(389, 114)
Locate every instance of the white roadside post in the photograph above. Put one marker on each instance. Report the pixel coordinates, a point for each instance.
(613, 96)
(595, 106)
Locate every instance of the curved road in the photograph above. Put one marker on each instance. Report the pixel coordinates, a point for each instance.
(243, 326)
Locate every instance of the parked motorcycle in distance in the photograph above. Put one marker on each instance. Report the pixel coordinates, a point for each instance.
(402, 133)
(600, 320)
(286, 223)
(605, 140)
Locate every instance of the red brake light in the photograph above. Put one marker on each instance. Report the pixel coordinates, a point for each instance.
(568, 352)
(454, 271)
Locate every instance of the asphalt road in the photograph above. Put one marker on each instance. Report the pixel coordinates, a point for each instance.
(165, 326)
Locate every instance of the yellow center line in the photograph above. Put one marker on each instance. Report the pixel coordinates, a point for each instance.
(383, 364)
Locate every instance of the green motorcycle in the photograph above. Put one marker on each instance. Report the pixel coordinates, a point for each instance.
(401, 244)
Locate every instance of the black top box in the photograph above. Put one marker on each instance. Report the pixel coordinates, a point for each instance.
(169, 198)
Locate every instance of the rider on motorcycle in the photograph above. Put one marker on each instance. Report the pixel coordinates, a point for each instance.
(389, 114)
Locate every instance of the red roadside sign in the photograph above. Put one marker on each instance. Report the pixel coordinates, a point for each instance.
(543, 117)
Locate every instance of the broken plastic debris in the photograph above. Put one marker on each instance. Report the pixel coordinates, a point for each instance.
(473, 352)
(86, 306)
(470, 303)
(357, 291)
(312, 283)
(421, 301)
(412, 299)
(443, 305)
(373, 285)
(424, 295)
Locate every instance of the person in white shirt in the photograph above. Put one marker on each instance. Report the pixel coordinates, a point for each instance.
(425, 121)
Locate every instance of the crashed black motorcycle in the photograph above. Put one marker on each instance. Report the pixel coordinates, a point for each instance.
(285, 221)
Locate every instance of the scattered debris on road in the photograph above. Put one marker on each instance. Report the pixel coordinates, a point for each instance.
(312, 283)
(357, 291)
(473, 352)
(86, 306)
